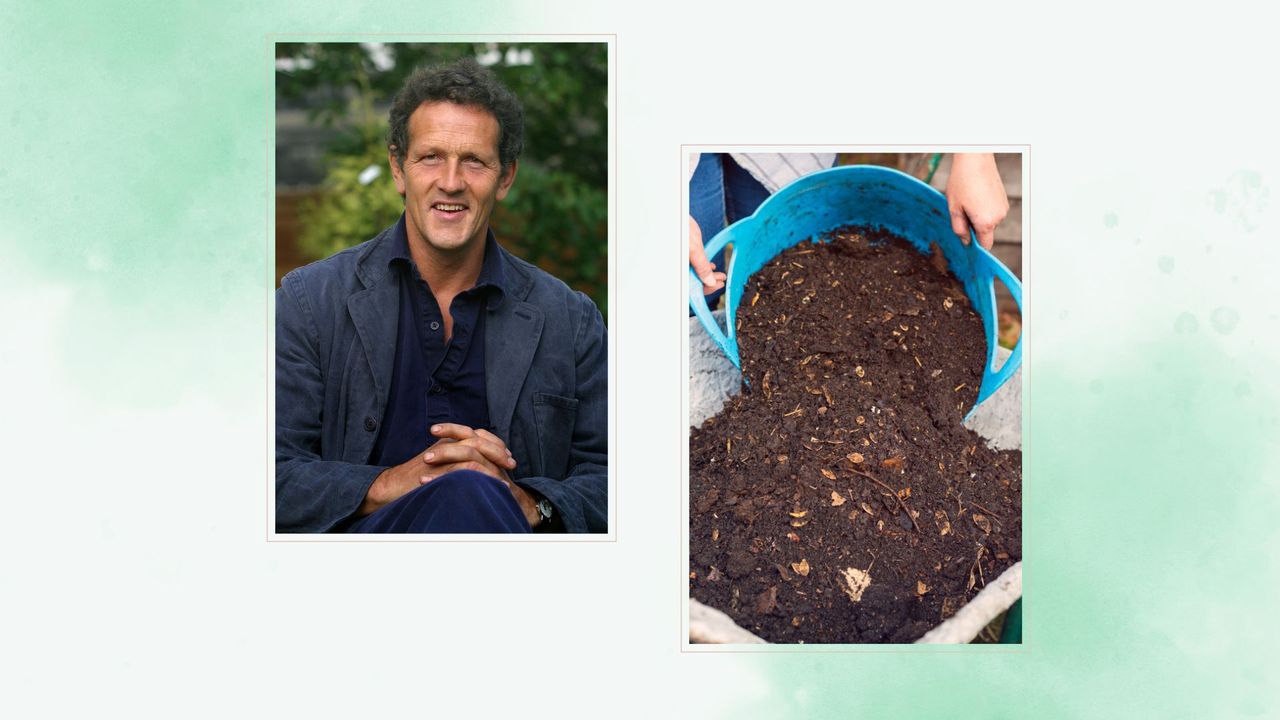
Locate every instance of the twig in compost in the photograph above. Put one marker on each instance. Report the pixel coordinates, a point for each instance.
(905, 509)
(985, 510)
(977, 564)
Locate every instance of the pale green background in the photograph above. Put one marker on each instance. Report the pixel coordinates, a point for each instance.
(134, 284)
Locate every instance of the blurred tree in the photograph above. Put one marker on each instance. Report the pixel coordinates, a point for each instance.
(556, 215)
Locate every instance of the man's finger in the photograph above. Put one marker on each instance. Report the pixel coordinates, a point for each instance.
(486, 435)
(702, 267)
(960, 224)
(480, 467)
(452, 431)
(986, 235)
(698, 259)
(442, 442)
(490, 437)
(493, 449)
(474, 449)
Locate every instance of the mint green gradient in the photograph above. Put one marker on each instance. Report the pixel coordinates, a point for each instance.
(141, 133)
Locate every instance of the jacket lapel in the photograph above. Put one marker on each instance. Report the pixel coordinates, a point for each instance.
(375, 314)
(510, 338)
(511, 335)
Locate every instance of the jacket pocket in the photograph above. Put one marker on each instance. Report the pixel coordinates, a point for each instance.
(555, 417)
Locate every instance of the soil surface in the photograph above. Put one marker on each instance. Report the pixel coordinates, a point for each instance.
(838, 498)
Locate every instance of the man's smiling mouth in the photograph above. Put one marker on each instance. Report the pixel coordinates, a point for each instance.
(448, 207)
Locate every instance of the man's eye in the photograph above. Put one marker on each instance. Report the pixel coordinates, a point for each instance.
(474, 162)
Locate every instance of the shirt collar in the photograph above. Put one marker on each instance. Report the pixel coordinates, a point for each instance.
(491, 274)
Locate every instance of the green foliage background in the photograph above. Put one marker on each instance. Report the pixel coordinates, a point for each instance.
(557, 212)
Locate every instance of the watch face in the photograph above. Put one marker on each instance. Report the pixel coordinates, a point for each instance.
(544, 508)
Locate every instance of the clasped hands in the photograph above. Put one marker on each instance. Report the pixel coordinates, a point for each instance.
(457, 447)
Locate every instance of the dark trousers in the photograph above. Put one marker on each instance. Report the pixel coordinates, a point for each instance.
(462, 501)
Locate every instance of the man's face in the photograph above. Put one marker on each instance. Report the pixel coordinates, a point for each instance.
(451, 177)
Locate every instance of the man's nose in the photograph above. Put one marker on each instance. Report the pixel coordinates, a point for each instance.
(451, 180)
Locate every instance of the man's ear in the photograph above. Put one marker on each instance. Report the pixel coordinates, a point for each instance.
(397, 172)
(508, 178)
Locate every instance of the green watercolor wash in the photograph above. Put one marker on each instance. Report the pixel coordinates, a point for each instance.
(1224, 319)
(145, 138)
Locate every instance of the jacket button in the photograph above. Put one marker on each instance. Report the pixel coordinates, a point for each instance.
(370, 424)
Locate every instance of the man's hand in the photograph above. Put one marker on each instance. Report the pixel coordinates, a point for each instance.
(702, 267)
(391, 484)
(976, 197)
(464, 448)
(458, 448)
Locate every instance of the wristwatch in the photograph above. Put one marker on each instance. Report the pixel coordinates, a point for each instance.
(545, 510)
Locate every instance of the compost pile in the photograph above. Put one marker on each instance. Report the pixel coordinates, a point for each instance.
(838, 498)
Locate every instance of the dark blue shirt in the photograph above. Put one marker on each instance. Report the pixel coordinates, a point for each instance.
(434, 381)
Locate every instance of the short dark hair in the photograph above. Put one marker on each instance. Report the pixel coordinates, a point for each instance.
(463, 82)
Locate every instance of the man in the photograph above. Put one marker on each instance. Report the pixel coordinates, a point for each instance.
(427, 380)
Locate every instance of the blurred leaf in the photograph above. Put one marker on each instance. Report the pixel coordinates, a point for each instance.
(1010, 329)
(348, 213)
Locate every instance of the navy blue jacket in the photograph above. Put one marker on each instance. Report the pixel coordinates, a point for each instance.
(545, 370)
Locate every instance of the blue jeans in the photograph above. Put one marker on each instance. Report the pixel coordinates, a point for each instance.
(721, 193)
(462, 501)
